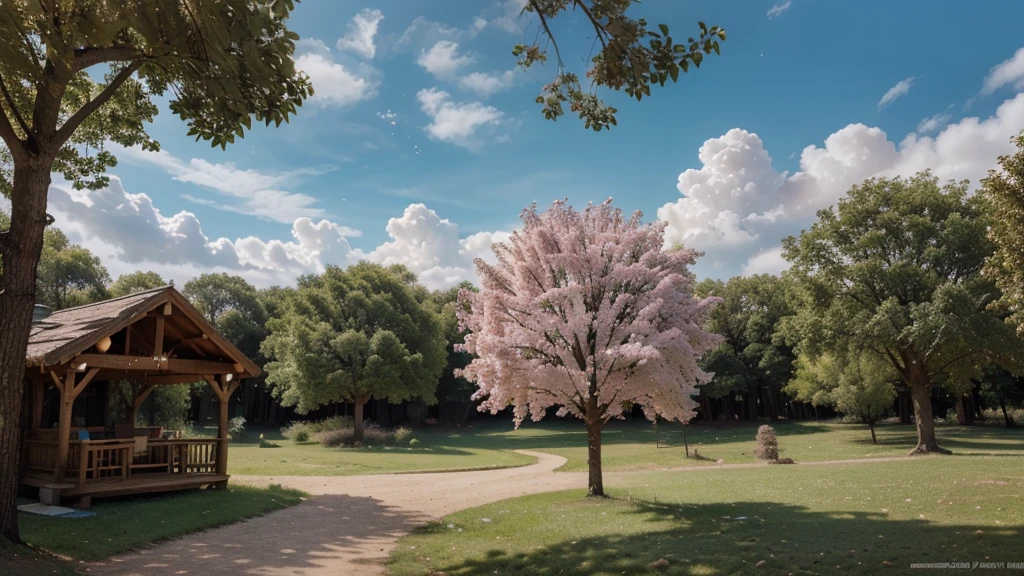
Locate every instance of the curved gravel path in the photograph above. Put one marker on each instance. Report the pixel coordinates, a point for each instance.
(352, 523)
(348, 528)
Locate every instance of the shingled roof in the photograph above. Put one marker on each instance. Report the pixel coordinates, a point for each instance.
(66, 333)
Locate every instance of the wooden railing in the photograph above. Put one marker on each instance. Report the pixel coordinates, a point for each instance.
(92, 460)
(41, 455)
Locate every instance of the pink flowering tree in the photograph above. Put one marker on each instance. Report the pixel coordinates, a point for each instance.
(587, 312)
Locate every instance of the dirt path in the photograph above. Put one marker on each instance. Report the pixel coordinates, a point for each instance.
(347, 529)
(352, 523)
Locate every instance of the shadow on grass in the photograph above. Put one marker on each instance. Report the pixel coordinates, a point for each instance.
(733, 538)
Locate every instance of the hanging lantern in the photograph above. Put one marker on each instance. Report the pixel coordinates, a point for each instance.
(103, 345)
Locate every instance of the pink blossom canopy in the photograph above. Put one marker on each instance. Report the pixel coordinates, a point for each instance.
(584, 310)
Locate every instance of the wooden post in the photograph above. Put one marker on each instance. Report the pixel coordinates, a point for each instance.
(223, 389)
(68, 392)
(67, 400)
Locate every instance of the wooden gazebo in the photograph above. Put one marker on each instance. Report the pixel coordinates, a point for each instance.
(149, 339)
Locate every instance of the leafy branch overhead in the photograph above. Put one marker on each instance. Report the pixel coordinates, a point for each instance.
(631, 58)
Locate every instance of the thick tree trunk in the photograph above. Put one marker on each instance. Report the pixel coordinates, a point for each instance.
(595, 484)
(920, 391)
(871, 426)
(19, 249)
(357, 419)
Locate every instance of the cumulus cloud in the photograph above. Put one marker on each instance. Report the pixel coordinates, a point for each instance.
(779, 9)
(361, 32)
(456, 122)
(766, 262)
(488, 83)
(510, 17)
(430, 246)
(1009, 72)
(900, 89)
(736, 201)
(443, 59)
(334, 84)
(130, 233)
(933, 123)
(245, 191)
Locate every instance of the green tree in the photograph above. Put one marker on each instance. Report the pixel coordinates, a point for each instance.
(452, 390)
(135, 282)
(752, 360)
(894, 270)
(68, 274)
(215, 294)
(355, 334)
(866, 391)
(1004, 190)
(1000, 388)
(221, 64)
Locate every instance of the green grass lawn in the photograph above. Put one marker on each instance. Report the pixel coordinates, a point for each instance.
(797, 519)
(124, 524)
(627, 446)
(24, 561)
(438, 449)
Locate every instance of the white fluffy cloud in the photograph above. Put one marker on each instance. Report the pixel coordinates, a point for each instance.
(736, 201)
(458, 123)
(361, 32)
(900, 89)
(245, 191)
(335, 84)
(488, 83)
(766, 262)
(130, 233)
(444, 60)
(1009, 72)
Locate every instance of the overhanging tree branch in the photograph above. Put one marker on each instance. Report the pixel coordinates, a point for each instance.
(91, 56)
(69, 127)
(15, 113)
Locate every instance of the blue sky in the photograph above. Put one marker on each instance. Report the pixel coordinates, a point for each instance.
(417, 103)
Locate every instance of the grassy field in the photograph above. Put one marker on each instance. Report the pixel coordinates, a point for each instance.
(845, 518)
(435, 450)
(123, 524)
(24, 561)
(628, 446)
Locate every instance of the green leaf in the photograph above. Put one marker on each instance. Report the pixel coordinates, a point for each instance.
(663, 28)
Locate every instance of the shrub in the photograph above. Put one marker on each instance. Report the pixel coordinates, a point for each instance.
(301, 436)
(767, 444)
(236, 428)
(312, 429)
(373, 435)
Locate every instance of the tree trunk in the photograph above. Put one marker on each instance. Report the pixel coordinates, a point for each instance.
(1006, 415)
(357, 419)
(19, 249)
(595, 484)
(961, 411)
(222, 433)
(920, 391)
(871, 426)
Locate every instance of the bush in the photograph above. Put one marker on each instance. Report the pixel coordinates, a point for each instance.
(767, 444)
(236, 428)
(373, 435)
(301, 436)
(312, 429)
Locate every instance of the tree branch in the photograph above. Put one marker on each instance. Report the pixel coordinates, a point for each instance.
(90, 107)
(15, 113)
(91, 56)
(598, 28)
(547, 31)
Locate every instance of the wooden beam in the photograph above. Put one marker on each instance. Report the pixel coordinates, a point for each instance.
(215, 384)
(85, 382)
(128, 341)
(166, 379)
(158, 343)
(168, 309)
(57, 382)
(140, 336)
(142, 394)
(38, 389)
(144, 363)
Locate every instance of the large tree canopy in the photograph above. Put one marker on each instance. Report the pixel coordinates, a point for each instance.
(585, 311)
(135, 282)
(1004, 189)
(355, 334)
(894, 271)
(752, 360)
(68, 274)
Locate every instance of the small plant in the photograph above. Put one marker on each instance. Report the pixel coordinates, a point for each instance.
(236, 428)
(373, 435)
(264, 443)
(767, 444)
(301, 436)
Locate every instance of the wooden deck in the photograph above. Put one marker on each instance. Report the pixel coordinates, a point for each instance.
(136, 484)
